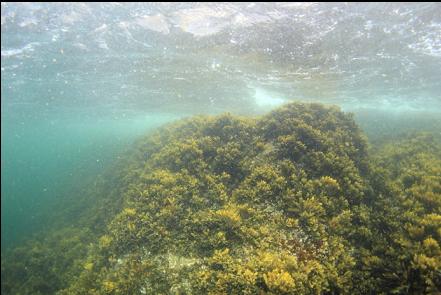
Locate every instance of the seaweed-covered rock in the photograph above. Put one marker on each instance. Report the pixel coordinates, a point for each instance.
(237, 205)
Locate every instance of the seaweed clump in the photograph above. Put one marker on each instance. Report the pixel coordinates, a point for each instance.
(287, 203)
(237, 205)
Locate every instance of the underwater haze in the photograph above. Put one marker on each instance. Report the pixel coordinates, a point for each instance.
(145, 145)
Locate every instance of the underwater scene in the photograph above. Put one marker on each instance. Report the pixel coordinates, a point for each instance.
(220, 148)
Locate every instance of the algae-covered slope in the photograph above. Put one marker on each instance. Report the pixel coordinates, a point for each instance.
(412, 164)
(287, 203)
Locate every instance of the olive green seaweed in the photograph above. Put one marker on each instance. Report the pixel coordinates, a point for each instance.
(287, 203)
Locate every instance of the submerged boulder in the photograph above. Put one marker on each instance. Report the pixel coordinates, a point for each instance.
(236, 205)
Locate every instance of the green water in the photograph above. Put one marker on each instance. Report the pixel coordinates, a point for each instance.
(42, 161)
